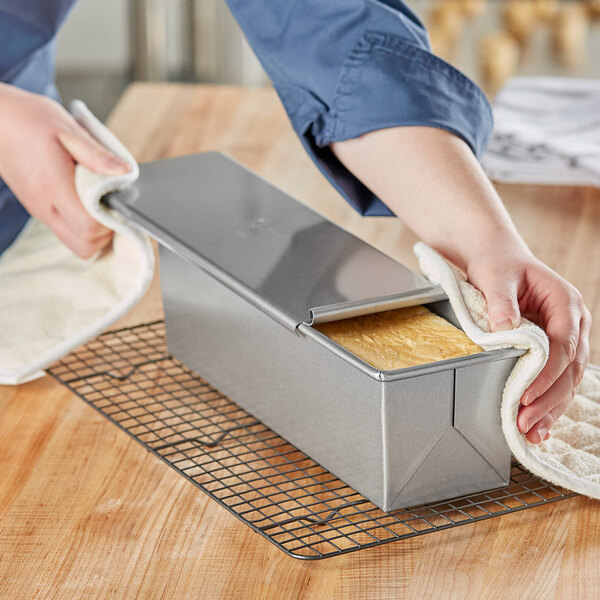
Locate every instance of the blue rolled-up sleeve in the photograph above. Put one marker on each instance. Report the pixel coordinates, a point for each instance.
(343, 68)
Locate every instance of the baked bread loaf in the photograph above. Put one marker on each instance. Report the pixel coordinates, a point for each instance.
(499, 59)
(396, 339)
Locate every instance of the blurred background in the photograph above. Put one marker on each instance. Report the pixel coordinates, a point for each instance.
(105, 44)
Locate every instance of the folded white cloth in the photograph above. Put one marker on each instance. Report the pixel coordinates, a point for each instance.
(546, 131)
(571, 457)
(50, 300)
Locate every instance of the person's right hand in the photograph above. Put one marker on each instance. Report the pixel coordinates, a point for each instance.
(516, 284)
(40, 144)
(432, 180)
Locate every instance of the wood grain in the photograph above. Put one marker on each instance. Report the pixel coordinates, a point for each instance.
(85, 512)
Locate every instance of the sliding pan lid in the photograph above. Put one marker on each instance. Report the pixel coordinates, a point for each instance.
(263, 244)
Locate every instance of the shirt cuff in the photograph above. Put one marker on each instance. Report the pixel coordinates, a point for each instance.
(386, 82)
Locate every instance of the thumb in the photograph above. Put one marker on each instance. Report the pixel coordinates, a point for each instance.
(503, 307)
(85, 150)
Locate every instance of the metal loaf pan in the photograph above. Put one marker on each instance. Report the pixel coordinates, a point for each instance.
(246, 271)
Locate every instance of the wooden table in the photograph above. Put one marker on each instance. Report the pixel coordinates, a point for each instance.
(87, 512)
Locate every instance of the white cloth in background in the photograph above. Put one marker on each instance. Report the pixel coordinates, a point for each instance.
(50, 300)
(571, 457)
(546, 131)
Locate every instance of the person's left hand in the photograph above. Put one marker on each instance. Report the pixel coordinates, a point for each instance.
(515, 283)
(40, 145)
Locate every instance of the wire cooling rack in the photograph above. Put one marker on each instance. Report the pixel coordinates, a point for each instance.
(267, 483)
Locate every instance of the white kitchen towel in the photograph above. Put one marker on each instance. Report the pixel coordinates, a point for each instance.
(571, 456)
(546, 131)
(51, 301)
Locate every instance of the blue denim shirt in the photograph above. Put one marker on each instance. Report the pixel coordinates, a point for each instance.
(27, 30)
(342, 68)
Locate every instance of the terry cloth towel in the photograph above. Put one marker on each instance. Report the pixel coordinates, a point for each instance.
(546, 131)
(570, 458)
(52, 301)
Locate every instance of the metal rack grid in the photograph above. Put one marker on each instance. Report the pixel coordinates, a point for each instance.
(267, 483)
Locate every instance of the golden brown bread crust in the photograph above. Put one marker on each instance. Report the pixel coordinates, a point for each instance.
(396, 339)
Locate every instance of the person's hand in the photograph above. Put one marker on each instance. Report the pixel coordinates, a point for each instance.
(40, 144)
(432, 180)
(514, 284)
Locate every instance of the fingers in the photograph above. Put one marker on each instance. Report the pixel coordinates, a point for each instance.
(501, 294)
(70, 221)
(540, 431)
(87, 151)
(563, 329)
(537, 417)
(583, 347)
(516, 285)
(66, 201)
(561, 391)
(66, 215)
(71, 237)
